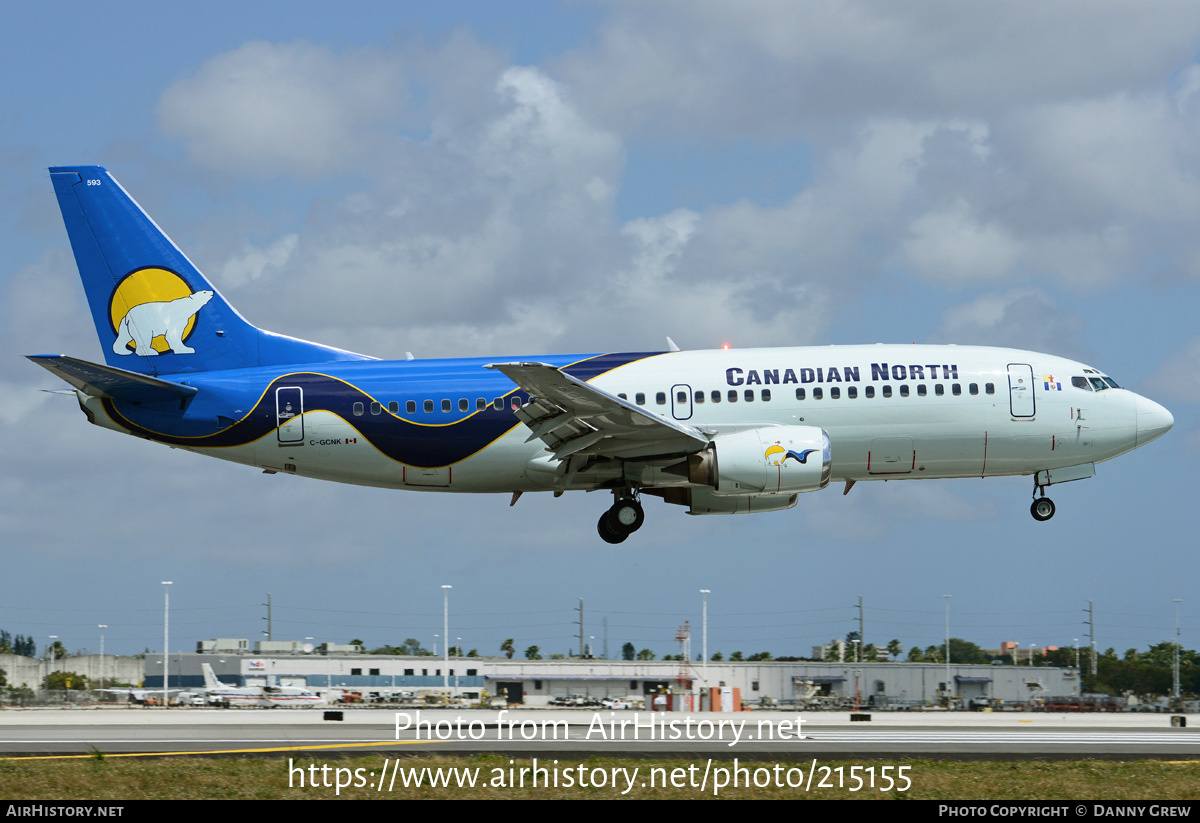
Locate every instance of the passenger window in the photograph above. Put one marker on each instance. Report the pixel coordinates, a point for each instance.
(515, 403)
(640, 398)
(681, 397)
(973, 388)
(411, 407)
(835, 393)
(870, 391)
(699, 397)
(818, 394)
(733, 395)
(622, 396)
(990, 388)
(852, 392)
(480, 404)
(1081, 383)
(463, 404)
(749, 395)
(956, 389)
(921, 390)
(766, 395)
(358, 409)
(446, 405)
(498, 404)
(904, 390)
(394, 407)
(799, 394)
(887, 391)
(375, 407)
(660, 398)
(428, 406)
(939, 390)
(716, 396)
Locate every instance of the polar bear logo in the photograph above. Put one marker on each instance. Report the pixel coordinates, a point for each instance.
(142, 323)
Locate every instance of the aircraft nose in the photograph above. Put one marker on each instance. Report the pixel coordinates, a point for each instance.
(1153, 421)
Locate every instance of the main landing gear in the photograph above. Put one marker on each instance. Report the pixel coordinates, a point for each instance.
(1043, 507)
(623, 519)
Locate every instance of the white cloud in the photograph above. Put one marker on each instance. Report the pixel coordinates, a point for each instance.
(1018, 318)
(252, 262)
(782, 68)
(266, 108)
(952, 246)
(1176, 377)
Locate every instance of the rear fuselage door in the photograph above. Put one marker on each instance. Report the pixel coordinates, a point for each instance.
(681, 402)
(289, 411)
(1020, 389)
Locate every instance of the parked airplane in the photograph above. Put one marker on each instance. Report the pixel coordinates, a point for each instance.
(221, 694)
(719, 432)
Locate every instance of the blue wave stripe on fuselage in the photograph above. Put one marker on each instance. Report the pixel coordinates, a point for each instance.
(438, 439)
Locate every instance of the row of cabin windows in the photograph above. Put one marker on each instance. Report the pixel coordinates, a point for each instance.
(818, 393)
(660, 398)
(939, 390)
(481, 403)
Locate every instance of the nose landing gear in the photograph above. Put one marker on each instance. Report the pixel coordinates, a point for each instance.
(623, 519)
(1043, 507)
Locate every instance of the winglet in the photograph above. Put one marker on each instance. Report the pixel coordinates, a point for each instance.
(671, 345)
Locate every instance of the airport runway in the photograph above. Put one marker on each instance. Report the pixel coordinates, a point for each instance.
(574, 733)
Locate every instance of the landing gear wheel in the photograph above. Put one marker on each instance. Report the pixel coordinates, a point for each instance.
(627, 515)
(1042, 509)
(608, 533)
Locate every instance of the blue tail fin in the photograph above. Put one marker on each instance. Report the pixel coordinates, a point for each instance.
(154, 311)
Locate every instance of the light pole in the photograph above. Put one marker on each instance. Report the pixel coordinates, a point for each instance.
(446, 634)
(1032, 646)
(1076, 653)
(102, 627)
(947, 647)
(50, 666)
(1177, 602)
(704, 633)
(166, 633)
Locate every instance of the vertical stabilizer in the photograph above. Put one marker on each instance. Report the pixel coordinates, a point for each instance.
(210, 679)
(154, 312)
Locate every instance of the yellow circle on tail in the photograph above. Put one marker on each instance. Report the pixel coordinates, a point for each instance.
(149, 285)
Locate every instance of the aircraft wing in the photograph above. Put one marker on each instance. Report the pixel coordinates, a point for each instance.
(574, 417)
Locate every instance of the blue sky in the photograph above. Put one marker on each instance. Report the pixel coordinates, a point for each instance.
(481, 178)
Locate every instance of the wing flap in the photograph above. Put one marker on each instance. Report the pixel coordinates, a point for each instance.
(574, 417)
(111, 382)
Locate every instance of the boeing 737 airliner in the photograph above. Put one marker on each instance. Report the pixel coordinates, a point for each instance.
(718, 432)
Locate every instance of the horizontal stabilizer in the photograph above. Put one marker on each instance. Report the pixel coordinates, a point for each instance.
(111, 382)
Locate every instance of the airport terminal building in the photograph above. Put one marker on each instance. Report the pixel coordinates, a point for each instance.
(536, 683)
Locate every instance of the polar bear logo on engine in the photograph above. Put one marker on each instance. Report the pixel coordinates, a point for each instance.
(169, 319)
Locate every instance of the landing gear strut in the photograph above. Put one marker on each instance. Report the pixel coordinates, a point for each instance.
(1043, 507)
(623, 519)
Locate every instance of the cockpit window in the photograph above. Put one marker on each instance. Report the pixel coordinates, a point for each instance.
(1111, 382)
(1098, 384)
(1081, 383)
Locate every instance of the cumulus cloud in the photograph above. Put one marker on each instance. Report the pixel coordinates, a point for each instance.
(1019, 318)
(784, 68)
(266, 108)
(1175, 378)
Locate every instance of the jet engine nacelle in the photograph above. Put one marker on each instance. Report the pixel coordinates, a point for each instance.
(768, 460)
